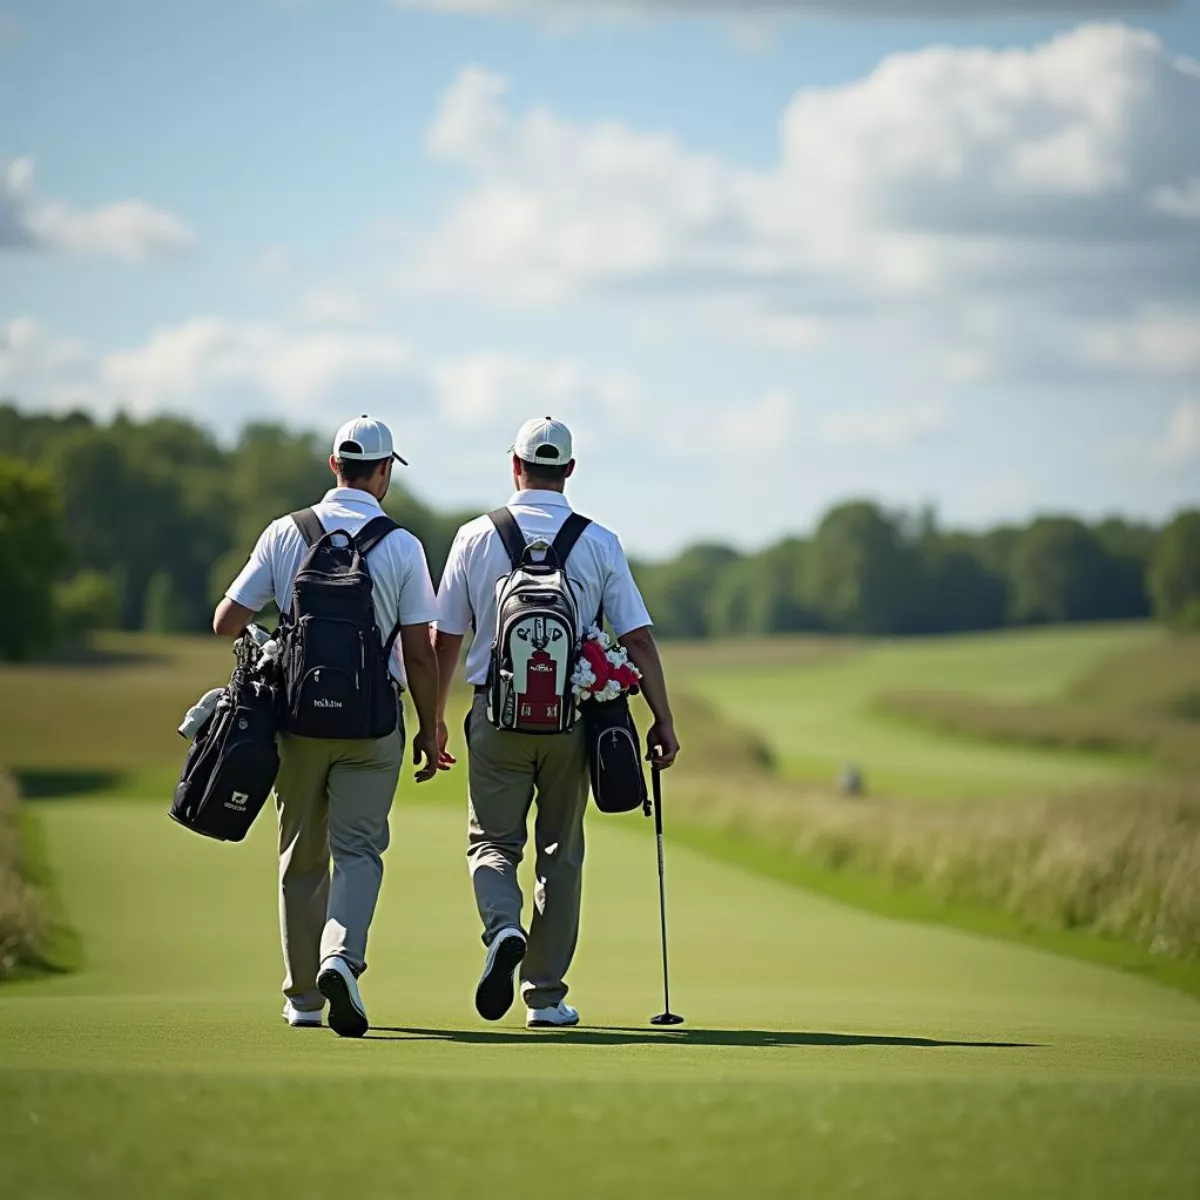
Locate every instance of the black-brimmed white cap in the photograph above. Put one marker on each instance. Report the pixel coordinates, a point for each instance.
(365, 439)
(543, 440)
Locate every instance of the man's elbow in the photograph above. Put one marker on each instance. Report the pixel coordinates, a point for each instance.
(637, 639)
(229, 620)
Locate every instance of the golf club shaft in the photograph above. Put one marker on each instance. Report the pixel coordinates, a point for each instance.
(662, 886)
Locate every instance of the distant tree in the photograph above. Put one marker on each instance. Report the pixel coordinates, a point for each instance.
(163, 610)
(88, 601)
(862, 576)
(32, 552)
(677, 592)
(1130, 546)
(1060, 571)
(960, 591)
(1175, 571)
(763, 594)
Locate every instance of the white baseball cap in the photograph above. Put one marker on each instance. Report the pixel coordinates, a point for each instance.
(543, 441)
(366, 440)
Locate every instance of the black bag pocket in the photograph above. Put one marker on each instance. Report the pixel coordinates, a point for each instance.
(229, 772)
(614, 756)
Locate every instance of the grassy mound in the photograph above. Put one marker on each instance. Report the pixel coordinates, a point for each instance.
(33, 937)
(1142, 701)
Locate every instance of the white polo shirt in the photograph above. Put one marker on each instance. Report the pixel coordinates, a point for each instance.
(597, 566)
(403, 590)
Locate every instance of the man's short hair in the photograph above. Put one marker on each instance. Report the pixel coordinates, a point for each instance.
(540, 473)
(354, 469)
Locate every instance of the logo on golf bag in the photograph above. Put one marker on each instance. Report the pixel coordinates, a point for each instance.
(237, 801)
(541, 662)
(537, 632)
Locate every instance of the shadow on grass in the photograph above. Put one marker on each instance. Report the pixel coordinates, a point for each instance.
(56, 785)
(679, 1037)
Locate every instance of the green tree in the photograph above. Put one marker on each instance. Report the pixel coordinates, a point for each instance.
(1175, 571)
(862, 576)
(1061, 571)
(32, 552)
(960, 591)
(88, 601)
(763, 594)
(677, 592)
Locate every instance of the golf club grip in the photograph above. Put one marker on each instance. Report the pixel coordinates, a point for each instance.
(656, 779)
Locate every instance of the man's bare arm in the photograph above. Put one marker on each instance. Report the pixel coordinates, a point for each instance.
(447, 647)
(421, 667)
(643, 653)
(231, 618)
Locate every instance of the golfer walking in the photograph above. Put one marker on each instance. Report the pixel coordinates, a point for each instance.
(511, 771)
(334, 793)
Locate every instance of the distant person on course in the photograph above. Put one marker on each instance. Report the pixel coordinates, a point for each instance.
(358, 640)
(512, 763)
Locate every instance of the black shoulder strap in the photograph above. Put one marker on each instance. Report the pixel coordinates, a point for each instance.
(372, 533)
(510, 534)
(570, 533)
(309, 524)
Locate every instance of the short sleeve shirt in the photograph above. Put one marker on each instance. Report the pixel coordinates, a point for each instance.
(403, 590)
(478, 561)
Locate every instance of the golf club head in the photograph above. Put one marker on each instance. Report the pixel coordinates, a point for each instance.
(667, 1018)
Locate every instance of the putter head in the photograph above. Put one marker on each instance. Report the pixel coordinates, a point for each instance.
(667, 1018)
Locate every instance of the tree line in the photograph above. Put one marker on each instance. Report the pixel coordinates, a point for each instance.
(141, 525)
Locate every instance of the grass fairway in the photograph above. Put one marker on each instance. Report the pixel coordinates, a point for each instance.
(814, 702)
(828, 1052)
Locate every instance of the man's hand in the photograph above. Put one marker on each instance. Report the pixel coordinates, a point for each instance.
(445, 759)
(662, 744)
(425, 756)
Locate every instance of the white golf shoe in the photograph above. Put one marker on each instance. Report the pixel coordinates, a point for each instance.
(301, 1018)
(495, 994)
(347, 1013)
(560, 1016)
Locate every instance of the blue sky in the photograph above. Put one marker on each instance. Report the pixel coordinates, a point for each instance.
(758, 270)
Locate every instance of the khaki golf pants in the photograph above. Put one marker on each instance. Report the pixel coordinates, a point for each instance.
(331, 796)
(508, 771)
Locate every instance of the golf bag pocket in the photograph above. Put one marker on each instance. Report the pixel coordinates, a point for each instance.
(231, 767)
(614, 756)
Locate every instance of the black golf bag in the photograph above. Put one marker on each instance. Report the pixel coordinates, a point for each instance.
(231, 766)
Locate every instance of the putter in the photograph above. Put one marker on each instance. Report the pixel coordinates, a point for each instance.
(666, 1017)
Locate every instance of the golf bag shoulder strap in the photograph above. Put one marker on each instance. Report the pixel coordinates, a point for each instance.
(373, 532)
(510, 534)
(570, 533)
(309, 524)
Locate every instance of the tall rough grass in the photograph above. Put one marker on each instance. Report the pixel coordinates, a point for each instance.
(24, 924)
(1118, 864)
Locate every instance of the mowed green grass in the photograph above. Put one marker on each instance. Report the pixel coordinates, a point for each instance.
(814, 703)
(827, 1052)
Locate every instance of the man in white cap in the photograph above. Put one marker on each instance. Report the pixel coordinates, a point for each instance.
(511, 770)
(334, 794)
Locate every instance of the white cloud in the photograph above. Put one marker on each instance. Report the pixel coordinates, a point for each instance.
(1150, 343)
(1031, 182)
(1182, 442)
(895, 427)
(736, 8)
(272, 264)
(129, 229)
(1182, 201)
(223, 373)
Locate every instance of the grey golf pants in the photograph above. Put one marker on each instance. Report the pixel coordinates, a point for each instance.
(333, 799)
(508, 772)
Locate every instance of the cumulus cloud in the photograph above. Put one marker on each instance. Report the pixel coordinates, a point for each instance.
(130, 229)
(223, 373)
(893, 428)
(827, 8)
(1033, 186)
(1182, 442)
